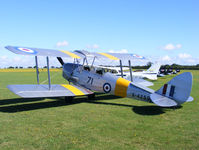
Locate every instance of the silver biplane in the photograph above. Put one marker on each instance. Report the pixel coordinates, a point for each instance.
(87, 79)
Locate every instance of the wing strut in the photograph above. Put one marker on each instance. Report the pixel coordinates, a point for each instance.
(93, 62)
(49, 83)
(121, 68)
(37, 70)
(60, 60)
(130, 69)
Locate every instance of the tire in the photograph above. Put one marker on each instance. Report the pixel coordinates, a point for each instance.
(91, 96)
(68, 99)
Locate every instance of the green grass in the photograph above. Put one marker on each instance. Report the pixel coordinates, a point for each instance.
(107, 122)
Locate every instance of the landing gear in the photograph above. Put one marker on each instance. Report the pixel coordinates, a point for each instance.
(68, 99)
(91, 96)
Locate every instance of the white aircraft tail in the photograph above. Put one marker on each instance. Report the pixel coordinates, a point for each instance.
(175, 92)
(154, 68)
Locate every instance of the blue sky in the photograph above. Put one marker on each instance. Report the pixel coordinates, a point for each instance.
(166, 31)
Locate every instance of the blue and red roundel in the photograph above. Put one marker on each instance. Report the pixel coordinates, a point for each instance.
(137, 56)
(27, 50)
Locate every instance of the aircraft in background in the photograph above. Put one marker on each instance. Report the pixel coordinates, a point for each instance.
(126, 75)
(87, 79)
(169, 71)
(151, 73)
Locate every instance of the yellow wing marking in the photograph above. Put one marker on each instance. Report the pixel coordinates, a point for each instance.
(109, 56)
(121, 87)
(73, 89)
(71, 54)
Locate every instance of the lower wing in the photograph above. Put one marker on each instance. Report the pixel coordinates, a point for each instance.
(56, 90)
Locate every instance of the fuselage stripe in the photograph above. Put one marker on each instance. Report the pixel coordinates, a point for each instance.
(172, 91)
(71, 54)
(164, 89)
(73, 89)
(121, 87)
(109, 56)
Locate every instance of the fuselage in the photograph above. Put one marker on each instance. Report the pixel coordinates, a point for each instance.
(97, 80)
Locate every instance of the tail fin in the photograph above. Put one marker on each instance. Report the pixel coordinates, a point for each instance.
(175, 92)
(154, 68)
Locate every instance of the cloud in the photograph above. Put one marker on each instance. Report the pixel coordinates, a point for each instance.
(27, 61)
(61, 44)
(184, 56)
(94, 46)
(178, 46)
(166, 58)
(120, 51)
(170, 47)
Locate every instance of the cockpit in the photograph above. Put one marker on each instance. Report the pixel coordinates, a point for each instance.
(96, 70)
(87, 68)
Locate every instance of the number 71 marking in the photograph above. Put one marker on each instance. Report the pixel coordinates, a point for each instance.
(90, 80)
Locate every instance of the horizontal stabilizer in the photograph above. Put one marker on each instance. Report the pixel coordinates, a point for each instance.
(162, 100)
(56, 90)
(190, 99)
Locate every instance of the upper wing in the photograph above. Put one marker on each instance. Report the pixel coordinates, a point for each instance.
(111, 56)
(42, 52)
(119, 56)
(56, 90)
(76, 54)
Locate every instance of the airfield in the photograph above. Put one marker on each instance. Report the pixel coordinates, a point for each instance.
(108, 122)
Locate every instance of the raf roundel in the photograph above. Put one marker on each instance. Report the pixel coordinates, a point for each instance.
(107, 87)
(137, 56)
(27, 50)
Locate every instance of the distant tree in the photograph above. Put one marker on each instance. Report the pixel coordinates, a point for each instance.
(16, 67)
(11, 67)
(52, 66)
(45, 67)
(21, 67)
(149, 64)
(30, 67)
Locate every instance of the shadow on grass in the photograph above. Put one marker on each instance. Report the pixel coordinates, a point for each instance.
(39, 103)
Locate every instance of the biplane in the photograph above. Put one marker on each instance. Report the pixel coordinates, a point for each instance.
(86, 79)
(150, 73)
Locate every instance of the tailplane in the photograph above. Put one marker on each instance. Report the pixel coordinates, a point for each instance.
(154, 68)
(175, 92)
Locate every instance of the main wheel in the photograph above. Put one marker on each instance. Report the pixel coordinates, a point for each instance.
(68, 99)
(91, 96)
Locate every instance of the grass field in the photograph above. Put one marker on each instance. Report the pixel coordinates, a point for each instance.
(107, 122)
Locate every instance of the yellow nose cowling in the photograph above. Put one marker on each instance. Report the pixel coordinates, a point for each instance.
(121, 87)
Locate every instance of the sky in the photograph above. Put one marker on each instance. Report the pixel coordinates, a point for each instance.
(166, 31)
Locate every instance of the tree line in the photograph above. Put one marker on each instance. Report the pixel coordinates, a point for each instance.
(173, 66)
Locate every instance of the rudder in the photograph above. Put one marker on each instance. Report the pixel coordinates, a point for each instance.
(175, 92)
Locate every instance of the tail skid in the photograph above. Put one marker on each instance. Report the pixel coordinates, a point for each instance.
(175, 92)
